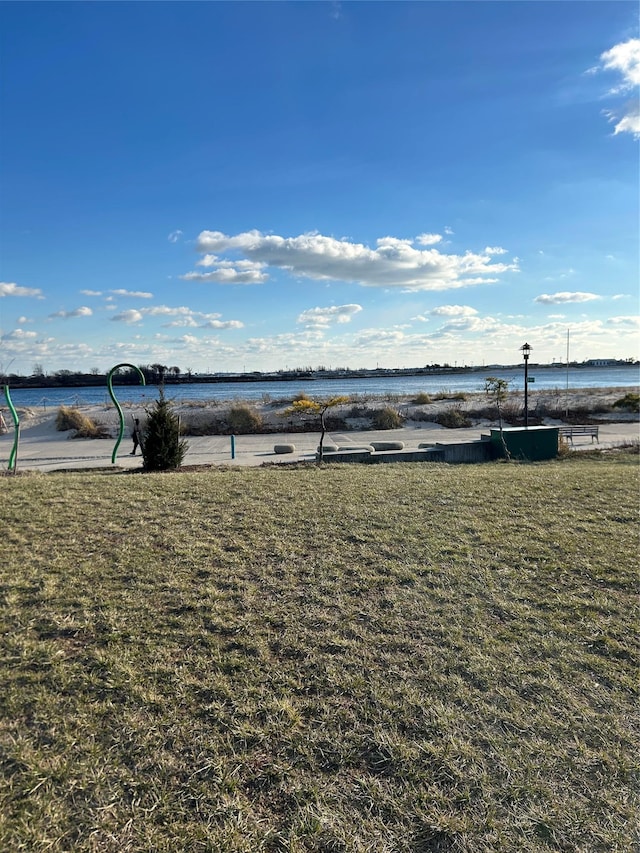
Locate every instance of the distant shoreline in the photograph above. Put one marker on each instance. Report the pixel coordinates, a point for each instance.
(89, 380)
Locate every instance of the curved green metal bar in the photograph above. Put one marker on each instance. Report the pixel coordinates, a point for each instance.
(117, 404)
(16, 420)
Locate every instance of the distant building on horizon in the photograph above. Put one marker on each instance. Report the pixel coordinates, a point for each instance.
(604, 362)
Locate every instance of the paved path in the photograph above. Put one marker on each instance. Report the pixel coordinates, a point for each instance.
(42, 450)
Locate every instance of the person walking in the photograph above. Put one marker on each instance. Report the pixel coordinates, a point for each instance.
(136, 436)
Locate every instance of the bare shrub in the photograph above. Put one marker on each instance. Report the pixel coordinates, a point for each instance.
(512, 412)
(387, 418)
(629, 403)
(359, 412)
(208, 426)
(445, 394)
(85, 427)
(335, 422)
(421, 399)
(242, 420)
(420, 415)
(453, 418)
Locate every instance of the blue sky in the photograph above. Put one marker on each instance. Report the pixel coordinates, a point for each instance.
(255, 186)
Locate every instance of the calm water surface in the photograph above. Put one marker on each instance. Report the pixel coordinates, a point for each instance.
(546, 378)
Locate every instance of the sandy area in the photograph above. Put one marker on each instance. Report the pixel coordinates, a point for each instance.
(43, 447)
(198, 413)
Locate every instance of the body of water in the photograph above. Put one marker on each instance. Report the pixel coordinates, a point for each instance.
(545, 378)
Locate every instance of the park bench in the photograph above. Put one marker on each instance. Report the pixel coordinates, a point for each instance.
(571, 431)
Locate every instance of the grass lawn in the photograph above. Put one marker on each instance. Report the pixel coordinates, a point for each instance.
(355, 658)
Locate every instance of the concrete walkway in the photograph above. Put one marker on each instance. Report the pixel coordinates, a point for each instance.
(42, 450)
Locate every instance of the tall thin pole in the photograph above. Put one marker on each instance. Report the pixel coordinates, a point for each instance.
(566, 395)
(526, 389)
(526, 349)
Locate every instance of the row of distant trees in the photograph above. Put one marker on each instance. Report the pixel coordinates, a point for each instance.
(154, 374)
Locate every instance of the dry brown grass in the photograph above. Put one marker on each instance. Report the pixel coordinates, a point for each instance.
(406, 658)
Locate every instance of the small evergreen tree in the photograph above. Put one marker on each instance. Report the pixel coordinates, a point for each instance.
(162, 448)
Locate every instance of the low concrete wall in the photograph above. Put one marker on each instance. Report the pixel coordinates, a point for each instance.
(430, 454)
(346, 456)
(467, 451)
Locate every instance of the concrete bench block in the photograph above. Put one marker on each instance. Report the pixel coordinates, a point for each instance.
(284, 448)
(387, 445)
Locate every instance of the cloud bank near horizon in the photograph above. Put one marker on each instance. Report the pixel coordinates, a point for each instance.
(394, 263)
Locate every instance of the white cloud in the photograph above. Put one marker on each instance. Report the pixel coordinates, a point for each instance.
(629, 123)
(10, 288)
(565, 297)
(23, 320)
(322, 318)
(166, 310)
(18, 335)
(428, 239)
(185, 317)
(453, 311)
(393, 263)
(624, 59)
(174, 236)
(222, 324)
(83, 311)
(137, 294)
(369, 337)
(228, 272)
(228, 275)
(129, 316)
(495, 250)
(471, 324)
(420, 318)
(91, 292)
(181, 323)
(632, 322)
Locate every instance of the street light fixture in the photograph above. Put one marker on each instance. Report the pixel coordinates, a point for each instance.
(526, 349)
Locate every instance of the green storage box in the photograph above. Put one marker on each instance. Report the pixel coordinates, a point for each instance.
(533, 443)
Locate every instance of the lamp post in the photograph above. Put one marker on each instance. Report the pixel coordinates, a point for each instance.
(526, 349)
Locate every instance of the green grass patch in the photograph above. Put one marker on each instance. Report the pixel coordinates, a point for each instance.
(394, 658)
